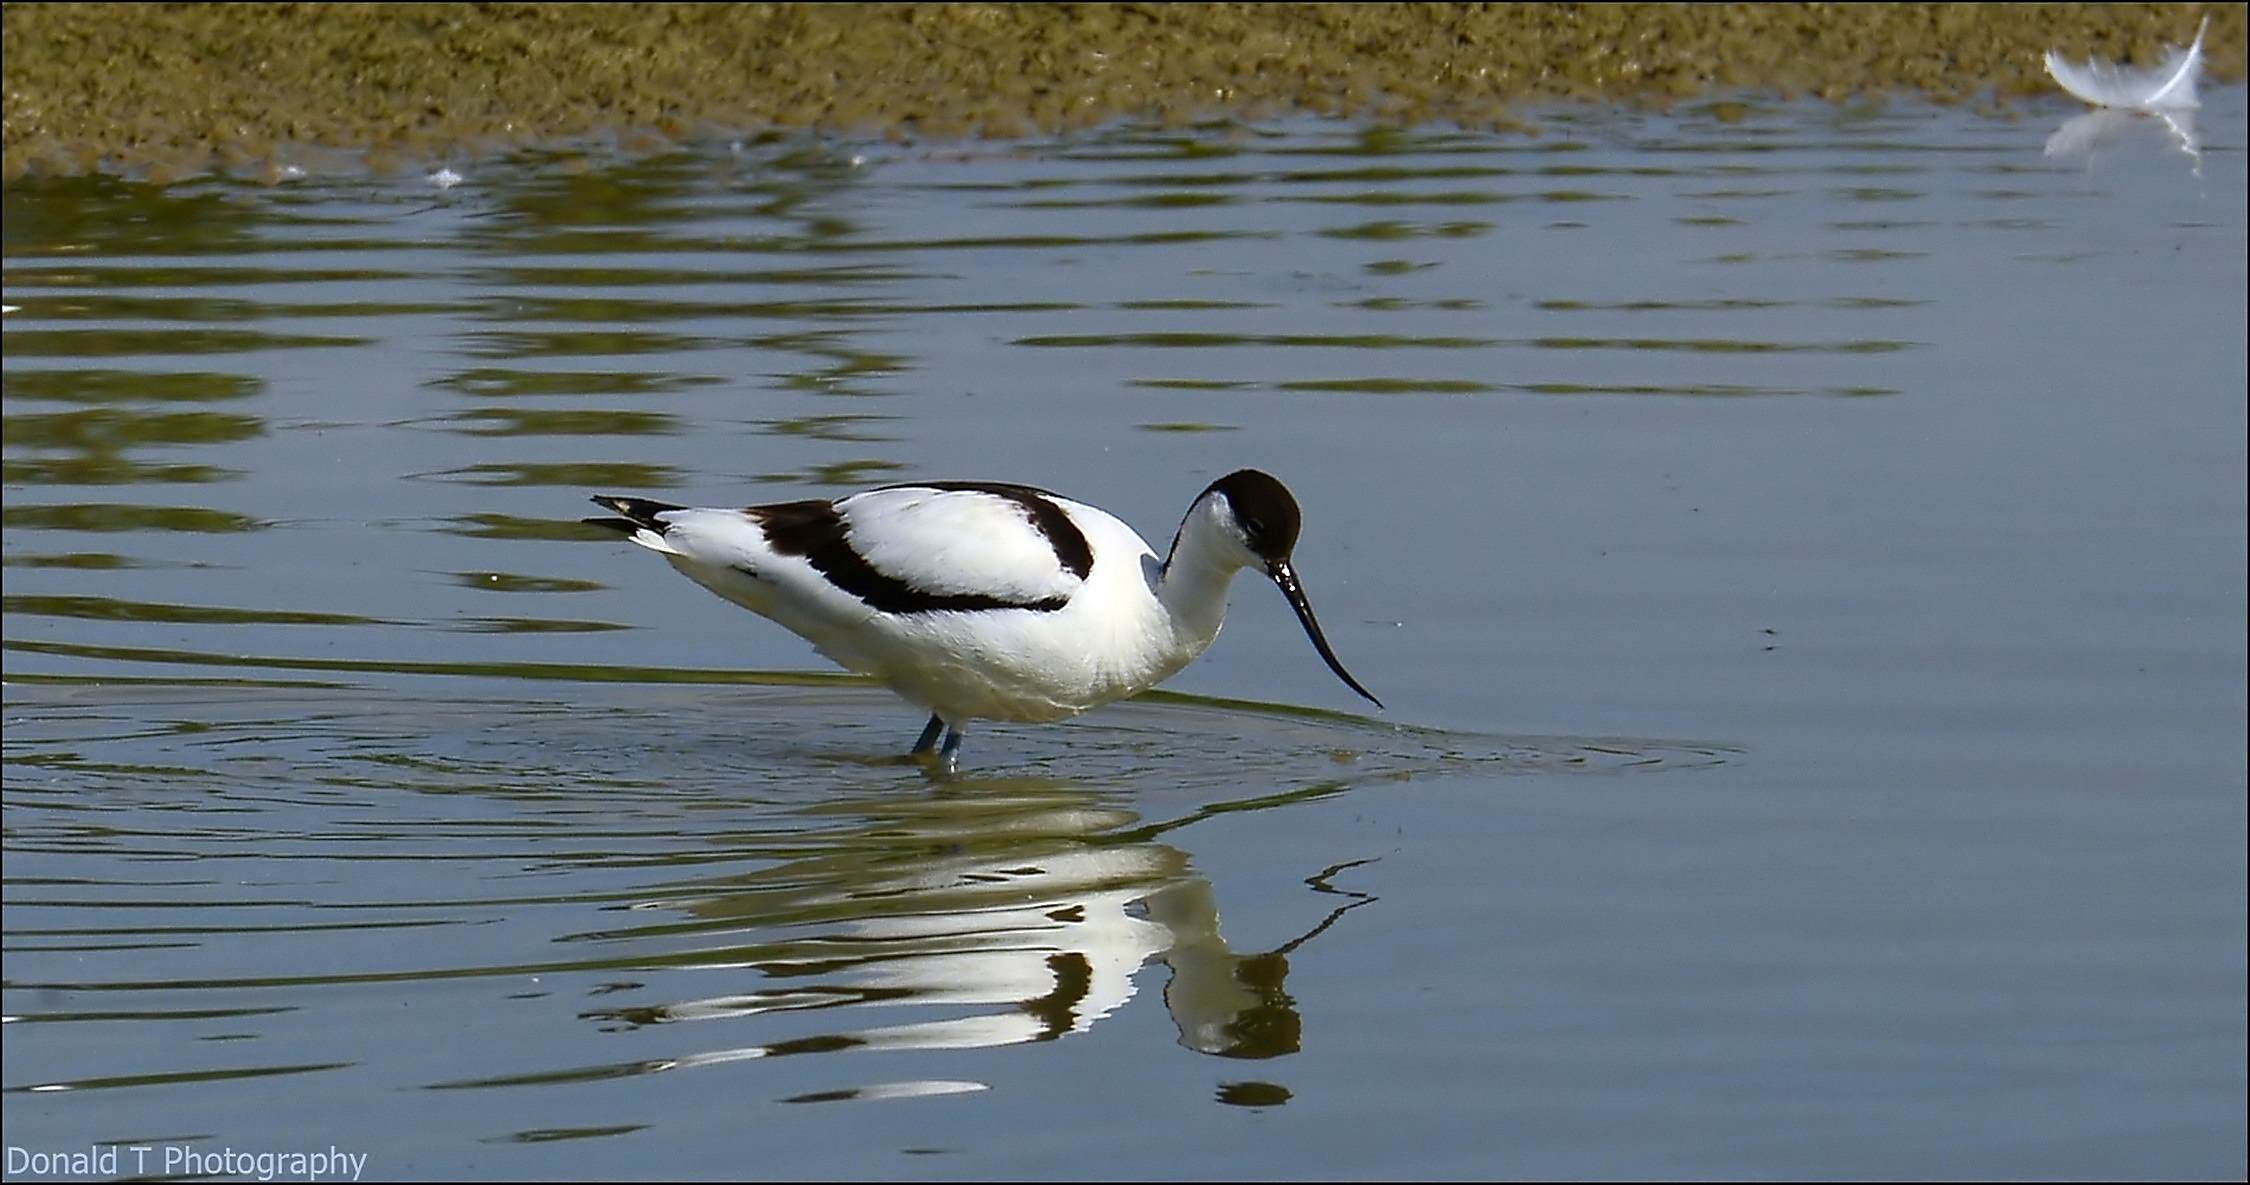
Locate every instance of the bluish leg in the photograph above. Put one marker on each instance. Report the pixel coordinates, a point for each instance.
(930, 733)
(949, 757)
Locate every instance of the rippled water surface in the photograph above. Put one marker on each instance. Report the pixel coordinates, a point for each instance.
(1801, 548)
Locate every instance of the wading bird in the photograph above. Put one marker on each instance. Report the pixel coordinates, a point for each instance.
(984, 600)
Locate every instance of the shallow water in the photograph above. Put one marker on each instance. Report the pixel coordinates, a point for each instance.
(1801, 548)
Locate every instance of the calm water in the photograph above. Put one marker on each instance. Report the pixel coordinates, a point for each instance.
(1802, 549)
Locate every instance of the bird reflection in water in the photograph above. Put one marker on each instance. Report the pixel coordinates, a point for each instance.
(1228, 1004)
(1030, 904)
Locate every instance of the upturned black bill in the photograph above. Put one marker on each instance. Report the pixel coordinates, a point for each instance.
(1286, 577)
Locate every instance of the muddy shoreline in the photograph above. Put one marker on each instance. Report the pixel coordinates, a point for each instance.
(165, 90)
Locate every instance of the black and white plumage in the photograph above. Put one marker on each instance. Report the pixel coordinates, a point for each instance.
(984, 600)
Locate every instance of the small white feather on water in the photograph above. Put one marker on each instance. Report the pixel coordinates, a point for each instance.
(2168, 86)
(446, 179)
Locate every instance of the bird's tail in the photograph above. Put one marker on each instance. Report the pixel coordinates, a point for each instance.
(642, 520)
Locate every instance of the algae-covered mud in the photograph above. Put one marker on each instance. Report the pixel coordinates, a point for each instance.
(173, 89)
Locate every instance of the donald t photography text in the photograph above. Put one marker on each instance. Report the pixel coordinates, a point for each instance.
(109, 1161)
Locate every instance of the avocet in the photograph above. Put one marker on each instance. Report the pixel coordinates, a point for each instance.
(985, 600)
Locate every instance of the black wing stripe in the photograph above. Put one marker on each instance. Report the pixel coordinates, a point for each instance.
(812, 529)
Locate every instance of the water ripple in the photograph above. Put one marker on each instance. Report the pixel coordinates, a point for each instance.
(683, 847)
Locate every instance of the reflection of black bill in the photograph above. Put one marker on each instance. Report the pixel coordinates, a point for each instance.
(1286, 577)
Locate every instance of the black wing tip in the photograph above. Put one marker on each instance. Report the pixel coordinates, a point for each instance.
(639, 513)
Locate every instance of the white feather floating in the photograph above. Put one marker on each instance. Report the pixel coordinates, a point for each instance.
(2168, 86)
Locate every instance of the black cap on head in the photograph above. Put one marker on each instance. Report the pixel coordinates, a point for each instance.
(1267, 513)
(1264, 509)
